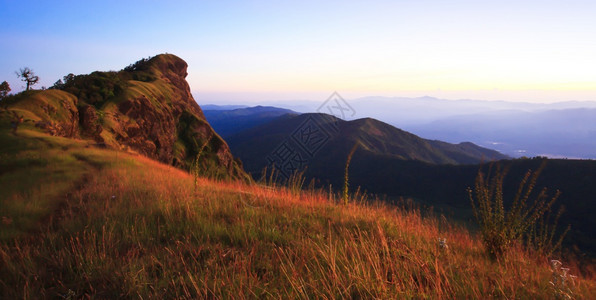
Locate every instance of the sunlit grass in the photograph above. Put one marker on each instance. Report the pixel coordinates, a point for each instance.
(137, 228)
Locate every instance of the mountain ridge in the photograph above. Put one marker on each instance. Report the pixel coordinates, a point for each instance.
(230, 121)
(147, 107)
(372, 135)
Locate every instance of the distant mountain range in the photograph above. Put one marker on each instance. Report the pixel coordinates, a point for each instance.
(556, 130)
(229, 120)
(221, 107)
(565, 133)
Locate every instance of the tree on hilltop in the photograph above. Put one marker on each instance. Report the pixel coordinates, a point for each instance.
(62, 84)
(28, 77)
(4, 89)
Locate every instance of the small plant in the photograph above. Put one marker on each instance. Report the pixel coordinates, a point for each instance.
(195, 167)
(273, 178)
(101, 117)
(345, 195)
(360, 197)
(501, 228)
(562, 282)
(296, 181)
(195, 172)
(269, 177)
(70, 295)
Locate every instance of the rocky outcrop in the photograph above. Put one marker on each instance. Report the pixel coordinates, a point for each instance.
(147, 108)
(90, 122)
(150, 131)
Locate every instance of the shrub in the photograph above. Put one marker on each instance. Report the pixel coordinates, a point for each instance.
(345, 195)
(500, 227)
(195, 167)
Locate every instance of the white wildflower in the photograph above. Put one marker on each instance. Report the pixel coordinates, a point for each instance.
(560, 281)
(443, 243)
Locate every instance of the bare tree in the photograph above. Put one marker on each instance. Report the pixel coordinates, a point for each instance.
(28, 76)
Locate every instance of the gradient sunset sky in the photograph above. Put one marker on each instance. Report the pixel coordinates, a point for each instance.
(535, 51)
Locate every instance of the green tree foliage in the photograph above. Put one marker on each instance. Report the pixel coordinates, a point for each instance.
(140, 65)
(4, 89)
(68, 78)
(95, 88)
(140, 70)
(28, 76)
(60, 84)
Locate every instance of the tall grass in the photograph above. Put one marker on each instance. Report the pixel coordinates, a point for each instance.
(140, 229)
(294, 182)
(195, 166)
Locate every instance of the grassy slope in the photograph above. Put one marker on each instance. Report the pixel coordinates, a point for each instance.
(35, 108)
(82, 221)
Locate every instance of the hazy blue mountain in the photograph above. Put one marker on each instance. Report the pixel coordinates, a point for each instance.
(228, 122)
(407, 111)
(221, 107)
(567, 133)
(562, 129)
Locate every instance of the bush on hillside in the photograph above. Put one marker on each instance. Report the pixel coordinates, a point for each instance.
(95, 88)
(524, 221)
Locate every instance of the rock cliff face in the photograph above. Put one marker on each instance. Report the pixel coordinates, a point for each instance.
(147, 108)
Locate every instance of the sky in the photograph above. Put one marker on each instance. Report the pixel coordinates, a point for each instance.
(251, 51)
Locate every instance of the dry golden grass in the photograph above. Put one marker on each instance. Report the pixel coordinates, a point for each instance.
(138, 228)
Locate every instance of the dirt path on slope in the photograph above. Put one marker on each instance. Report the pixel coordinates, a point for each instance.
(65, 204)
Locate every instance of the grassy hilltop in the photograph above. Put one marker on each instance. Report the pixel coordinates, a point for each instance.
(147, 108)
(83, 218)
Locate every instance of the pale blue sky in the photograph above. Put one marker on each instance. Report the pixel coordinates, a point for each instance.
(281, 50)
